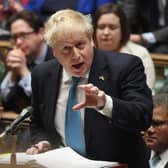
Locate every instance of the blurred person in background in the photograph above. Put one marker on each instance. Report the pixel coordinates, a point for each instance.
(111, 33)
(45, 8)
(156, 137)
(8, 8)
(148, 20)
(29, 49)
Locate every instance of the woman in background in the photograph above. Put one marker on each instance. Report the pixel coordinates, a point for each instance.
(111, 33)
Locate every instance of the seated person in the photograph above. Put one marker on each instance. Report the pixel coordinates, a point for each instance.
(156, 137)
(111, 33)
(148, 20)
(29, 49)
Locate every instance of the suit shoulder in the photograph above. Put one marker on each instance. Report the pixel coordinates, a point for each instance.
(120, 59)
(45, 66)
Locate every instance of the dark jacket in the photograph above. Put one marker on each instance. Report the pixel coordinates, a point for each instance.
(17, 99)
(116, 139)
(143, 16)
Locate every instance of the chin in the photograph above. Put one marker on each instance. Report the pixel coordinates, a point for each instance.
(79, 72)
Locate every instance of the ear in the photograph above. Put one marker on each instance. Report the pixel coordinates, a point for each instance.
(41, 30)
(92, 43)
(54, 52)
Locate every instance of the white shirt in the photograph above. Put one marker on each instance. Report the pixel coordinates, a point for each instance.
(62, 101)
(163, 159)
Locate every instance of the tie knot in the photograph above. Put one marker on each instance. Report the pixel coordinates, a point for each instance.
(75, 80)
(155, 160)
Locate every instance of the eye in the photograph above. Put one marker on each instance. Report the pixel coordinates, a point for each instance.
(66, 49)
(113, 27)
(101, 27)
(80, 45)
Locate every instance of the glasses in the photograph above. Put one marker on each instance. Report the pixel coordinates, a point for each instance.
(157, 123)
(21, 36)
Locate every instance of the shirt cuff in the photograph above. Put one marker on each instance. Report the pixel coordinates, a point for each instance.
(107, 110)
(149, 37)
(6, 86)
(25, 83)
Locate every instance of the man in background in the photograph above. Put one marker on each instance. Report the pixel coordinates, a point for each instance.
(148, 20)
(156, 137)
(28, 49)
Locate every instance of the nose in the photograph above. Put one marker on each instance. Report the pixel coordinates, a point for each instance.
(76, 53)
(18, 41)
(151, 129)
(106, 30)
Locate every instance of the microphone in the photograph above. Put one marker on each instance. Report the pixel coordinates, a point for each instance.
(25, 113)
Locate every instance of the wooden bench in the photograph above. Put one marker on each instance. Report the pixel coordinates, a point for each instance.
(160, 59)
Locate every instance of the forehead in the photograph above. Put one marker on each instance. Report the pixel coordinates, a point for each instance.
(20, 25)
(109, 18)
(72, 38)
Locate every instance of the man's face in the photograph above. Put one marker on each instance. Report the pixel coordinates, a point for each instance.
(156, 137)
(75, 53)
(25, 38)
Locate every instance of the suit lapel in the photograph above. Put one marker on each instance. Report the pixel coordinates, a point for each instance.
(53, 85)
(97, 76)
(166, 166)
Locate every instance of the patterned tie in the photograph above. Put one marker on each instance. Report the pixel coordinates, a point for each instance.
(154, 161)
(73, 126)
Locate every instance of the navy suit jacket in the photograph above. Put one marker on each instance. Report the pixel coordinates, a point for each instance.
(113, 139)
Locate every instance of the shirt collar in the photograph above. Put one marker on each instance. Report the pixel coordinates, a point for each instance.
(41, 57)
(163, 155)
(67, 77)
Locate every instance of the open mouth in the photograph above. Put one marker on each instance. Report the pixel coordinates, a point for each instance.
(77, 66)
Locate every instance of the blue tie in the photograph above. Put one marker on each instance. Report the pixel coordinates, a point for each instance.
(73, 126)
(154, 161)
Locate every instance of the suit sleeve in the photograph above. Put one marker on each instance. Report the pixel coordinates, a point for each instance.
(132, 110)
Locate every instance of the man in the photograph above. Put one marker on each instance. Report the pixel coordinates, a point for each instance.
(148, 23)
(156, 137)
(115, 102)
(29, 49)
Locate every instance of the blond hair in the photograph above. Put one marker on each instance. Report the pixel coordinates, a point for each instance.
(64, 23)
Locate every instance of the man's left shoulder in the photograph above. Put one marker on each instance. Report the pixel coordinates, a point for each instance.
(123, 59)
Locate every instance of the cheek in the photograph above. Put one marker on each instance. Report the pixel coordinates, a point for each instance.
(98, 34)
(164, 136)
(62, 60)
(117, 36)
(88, 55)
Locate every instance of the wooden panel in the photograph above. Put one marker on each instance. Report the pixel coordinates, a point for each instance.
(8, 117)
(160, 59)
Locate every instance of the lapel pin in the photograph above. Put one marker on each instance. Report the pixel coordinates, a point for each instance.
(101, 78)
